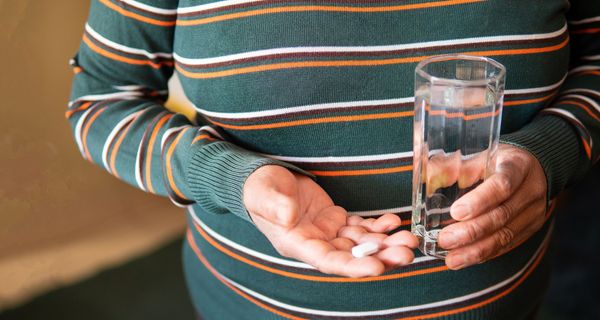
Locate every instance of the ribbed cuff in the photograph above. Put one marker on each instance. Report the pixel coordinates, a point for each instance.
(553, 141)
(217, 173)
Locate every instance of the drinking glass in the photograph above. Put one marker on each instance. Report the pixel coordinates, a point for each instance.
(458, 108)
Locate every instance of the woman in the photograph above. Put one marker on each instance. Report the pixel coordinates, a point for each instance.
(302, 146)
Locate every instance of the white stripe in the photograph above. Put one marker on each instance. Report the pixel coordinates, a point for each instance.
(146, 7)
(112, 136)
(114, 45)
(383, 48)
(213, 5)
(583, 21)
(370, 213)
(581, 90)
(106, 96)
(132, 87)
(168, 133)
(263, 256)
(394, 310)
(348, 105)
(163, 140)
(584, 98)
(584, 68)
(596, 57)
(212, 131)
(374, 157)
(138, 166)
(538, 89)
(78, 129)
(322, 106)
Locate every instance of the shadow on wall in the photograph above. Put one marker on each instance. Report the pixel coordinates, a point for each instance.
(61, 218)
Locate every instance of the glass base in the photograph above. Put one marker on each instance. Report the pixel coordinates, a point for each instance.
(428, 242)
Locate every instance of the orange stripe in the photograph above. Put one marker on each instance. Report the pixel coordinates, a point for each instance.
(462, 114)
(587, 148)
(236, 290)
(365, 117)
(115, 150)
(116, 57)
(202, 136)
(77, 70)
(357, 63)
(136, 16)
(581, 105)
(82, 107)
(168, 164)
(596, 73)
(487, 301)
(314, 278)
(317, 121)
(322, 8)
(362, 172)
(582, 31)
(520, 102)
(159, 125)
(85, 133)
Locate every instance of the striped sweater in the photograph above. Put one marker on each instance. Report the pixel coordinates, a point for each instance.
(325, 88)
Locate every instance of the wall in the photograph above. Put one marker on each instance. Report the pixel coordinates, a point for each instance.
(61, 218)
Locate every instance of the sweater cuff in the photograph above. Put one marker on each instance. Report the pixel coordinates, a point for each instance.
(217, 172)
(554, 142)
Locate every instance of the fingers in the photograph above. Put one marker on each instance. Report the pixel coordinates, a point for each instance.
(491, 193)
(402, 238)
(395, 256)
(327, 259)
(465, 232)
(395, 250)
(525, 224)
(383, 224)
(441, 171)
(360, 235)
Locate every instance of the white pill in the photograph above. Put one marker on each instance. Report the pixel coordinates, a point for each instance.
(365, 249)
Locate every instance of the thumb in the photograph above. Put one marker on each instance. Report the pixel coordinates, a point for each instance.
(281, 209)
(271, 193)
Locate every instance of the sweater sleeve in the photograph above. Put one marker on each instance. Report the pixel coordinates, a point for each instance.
(565, 136)
(120, 123)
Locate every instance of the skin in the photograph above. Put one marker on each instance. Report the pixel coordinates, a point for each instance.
(502, 212)
(302, 222)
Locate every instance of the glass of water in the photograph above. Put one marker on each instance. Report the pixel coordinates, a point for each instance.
(458, 107)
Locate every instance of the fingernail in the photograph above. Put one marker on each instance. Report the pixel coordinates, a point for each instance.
(457, 262)
(448, 240)
(459, 211)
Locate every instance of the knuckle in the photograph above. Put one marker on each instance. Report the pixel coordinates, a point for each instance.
(478, 254)
(474, 231)
(501, 215)
(504, 237)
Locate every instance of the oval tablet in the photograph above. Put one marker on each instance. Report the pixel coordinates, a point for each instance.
(365, 249)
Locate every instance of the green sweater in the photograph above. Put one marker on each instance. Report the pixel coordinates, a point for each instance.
(325, 88)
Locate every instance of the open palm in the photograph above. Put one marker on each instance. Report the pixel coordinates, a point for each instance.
(302, 222)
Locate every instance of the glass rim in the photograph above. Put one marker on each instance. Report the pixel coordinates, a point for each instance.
(445, 57)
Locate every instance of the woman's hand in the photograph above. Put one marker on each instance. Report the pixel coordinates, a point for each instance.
(500, 213)
(301, 221)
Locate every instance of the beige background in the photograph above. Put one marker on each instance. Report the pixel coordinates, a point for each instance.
(61, 218)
